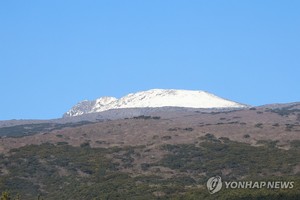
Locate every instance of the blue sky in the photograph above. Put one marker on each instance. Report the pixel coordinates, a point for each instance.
(56, 53)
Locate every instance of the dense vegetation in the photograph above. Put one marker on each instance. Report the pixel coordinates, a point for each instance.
(213, 155)
(31, 129)
(286, 111)
(66, 172)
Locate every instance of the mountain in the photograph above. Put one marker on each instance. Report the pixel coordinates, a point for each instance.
(86, 106)
(153, 153)
(154, 98)
(165, 153)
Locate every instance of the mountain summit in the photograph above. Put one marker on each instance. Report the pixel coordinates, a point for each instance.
(154, 98)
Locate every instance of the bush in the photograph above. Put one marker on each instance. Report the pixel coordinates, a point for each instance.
(167, 137)
(85, 145)
(59, 136)
(259, 125)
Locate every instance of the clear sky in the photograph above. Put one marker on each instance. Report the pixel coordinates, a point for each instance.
(54, 53)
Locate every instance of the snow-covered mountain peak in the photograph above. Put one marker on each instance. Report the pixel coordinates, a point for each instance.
(104, 101)
(154, 98)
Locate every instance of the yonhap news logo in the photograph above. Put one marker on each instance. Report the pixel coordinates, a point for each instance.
(214, 184)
